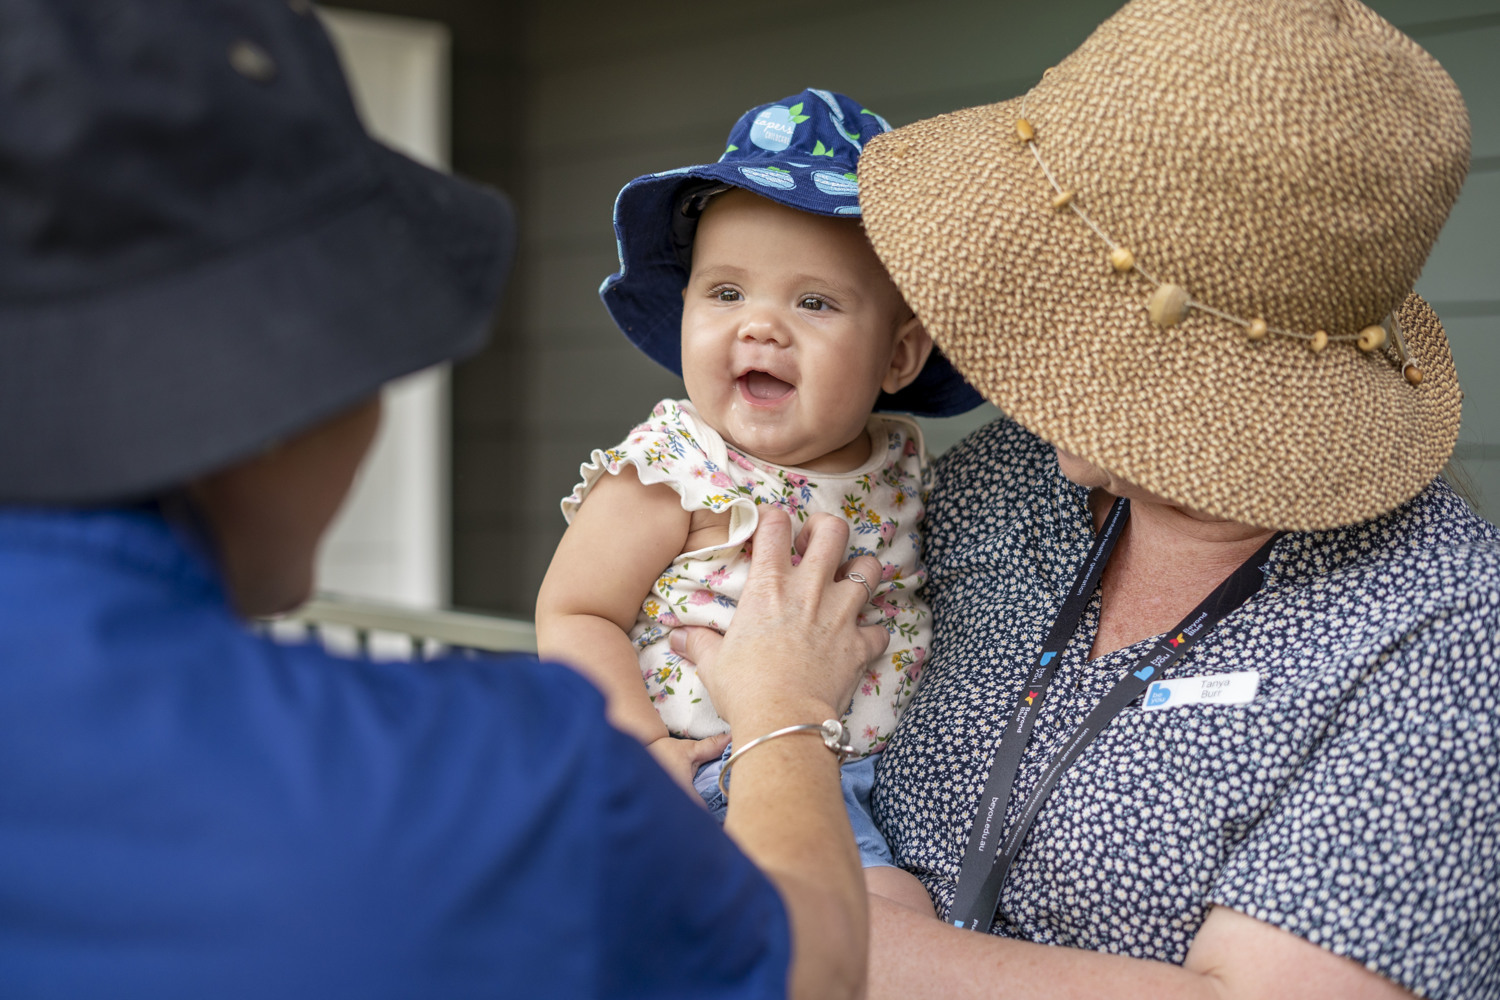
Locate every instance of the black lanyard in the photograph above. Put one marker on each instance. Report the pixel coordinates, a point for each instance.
(986, 863)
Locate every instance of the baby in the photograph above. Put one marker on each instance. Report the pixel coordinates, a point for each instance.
(752, 278)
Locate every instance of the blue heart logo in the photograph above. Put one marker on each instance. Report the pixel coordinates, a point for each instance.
(1048, 658)
(1145, 673)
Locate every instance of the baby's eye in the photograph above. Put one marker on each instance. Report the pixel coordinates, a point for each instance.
(726, 294)
(812, 302)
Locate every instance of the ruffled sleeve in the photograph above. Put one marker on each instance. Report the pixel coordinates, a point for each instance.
(673, 446)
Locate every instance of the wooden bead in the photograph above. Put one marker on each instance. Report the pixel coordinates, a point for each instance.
(1371, 338)
(1168, 305)
(1413, 374)
(1319, 340)
(1121, 259)
(1024, 130)
(1257, 329)
(1062, 200)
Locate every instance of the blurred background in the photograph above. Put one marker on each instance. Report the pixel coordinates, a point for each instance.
(561, 103)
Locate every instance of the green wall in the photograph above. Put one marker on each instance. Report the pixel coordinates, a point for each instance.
(591, 94)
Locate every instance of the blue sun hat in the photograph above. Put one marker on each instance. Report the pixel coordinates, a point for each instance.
(802, 151)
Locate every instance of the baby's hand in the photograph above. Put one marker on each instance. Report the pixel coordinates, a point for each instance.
(682, 758)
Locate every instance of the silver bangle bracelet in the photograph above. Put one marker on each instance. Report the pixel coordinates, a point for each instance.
(835, 738)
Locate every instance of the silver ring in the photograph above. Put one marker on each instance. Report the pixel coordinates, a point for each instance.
(859, 579)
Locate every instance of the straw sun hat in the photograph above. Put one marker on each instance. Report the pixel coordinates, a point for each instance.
(1187, 255)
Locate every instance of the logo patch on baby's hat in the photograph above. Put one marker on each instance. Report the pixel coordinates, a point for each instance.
(775, 126)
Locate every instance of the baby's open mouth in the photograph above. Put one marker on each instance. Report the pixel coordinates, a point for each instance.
(764, 386)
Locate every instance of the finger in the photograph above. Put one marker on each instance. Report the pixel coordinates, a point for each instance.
(694, 643)
(702, 751)
(863, 592)
(799, 544)
(772, 539)
(866, 566)
(875, 638)
(824, 539)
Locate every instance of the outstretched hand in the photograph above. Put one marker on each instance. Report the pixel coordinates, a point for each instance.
(795, 647)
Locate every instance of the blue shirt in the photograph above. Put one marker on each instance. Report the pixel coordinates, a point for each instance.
(189, 810)
(1354, 801)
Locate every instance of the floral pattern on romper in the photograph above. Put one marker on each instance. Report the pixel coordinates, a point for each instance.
(882, 501)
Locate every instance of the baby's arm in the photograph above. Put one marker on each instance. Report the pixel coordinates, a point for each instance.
(621, 539)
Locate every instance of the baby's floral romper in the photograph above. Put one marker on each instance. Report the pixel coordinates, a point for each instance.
(882, 502)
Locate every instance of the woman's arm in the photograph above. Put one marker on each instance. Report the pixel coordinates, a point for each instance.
(1233, 957)
(785, 807)
(621, 539)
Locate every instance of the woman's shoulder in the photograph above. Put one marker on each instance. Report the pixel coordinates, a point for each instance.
(998, 479)
(1000, 455)
(1433, 548)
(1420, 585)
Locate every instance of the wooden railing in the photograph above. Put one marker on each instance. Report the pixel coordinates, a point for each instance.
(387, 632)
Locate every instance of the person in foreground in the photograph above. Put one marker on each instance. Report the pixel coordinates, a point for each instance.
(751, 278)
(207, 270)
(1249, 752)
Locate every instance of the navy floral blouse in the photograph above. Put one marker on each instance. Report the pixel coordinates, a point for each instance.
(1355, 801)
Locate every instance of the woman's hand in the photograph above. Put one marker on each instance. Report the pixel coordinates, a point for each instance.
(794, 649)
(791, 656)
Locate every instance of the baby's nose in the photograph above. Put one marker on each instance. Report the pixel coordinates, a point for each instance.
(764, 326)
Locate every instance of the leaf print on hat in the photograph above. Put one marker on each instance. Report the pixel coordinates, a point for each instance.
(771, 177)
(829, 182)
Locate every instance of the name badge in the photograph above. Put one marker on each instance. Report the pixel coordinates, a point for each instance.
(1217, 689)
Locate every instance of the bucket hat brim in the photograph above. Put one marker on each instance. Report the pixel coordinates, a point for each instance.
(169, 378)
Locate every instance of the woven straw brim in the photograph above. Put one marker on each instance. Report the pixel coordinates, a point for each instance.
(1022, 300)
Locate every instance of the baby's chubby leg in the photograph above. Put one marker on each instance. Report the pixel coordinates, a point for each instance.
(882, 878)
(900, 887)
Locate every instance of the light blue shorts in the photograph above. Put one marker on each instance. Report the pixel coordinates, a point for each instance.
(857, 779)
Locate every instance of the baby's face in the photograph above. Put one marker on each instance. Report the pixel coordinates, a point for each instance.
(789, 329)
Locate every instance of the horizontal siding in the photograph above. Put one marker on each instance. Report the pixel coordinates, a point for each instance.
(563, 102)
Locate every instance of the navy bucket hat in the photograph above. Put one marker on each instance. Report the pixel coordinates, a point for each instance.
(802, 151)
(201, 250)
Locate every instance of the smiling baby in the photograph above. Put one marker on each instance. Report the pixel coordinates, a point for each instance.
(752, 277)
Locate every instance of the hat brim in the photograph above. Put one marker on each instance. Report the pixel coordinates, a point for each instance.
(645, 296)
(1018, 296)
(144, 387)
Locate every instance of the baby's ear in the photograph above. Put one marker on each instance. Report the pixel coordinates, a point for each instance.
(908, 355)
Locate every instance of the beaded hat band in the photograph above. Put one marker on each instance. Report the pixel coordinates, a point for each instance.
(1187, 254)
(1169, 303)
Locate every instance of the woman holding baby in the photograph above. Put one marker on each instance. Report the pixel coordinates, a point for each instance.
(1213, 687)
